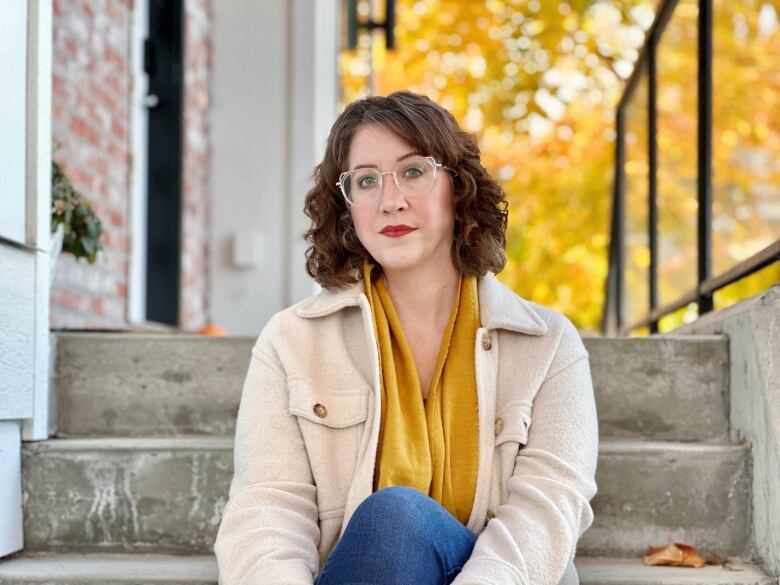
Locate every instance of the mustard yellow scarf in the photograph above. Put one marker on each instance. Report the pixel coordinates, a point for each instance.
(429, 445)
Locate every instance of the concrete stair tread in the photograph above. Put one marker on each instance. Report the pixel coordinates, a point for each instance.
(162, 333)
(220, 442)
(174, 570)
(616, 571)
(109, 568)
(142, 335)
(110, 443)
(626, 446)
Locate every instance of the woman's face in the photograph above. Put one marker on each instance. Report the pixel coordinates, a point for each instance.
(430, 216)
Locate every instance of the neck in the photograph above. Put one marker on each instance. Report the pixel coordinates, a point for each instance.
(424, 293)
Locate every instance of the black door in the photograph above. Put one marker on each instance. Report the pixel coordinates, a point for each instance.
(164, 66)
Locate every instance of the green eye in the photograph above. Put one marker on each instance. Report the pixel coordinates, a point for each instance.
(367, 181)
(414, 171)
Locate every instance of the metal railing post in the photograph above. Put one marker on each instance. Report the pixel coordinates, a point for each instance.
(705, 152)
(620, 217)
(652, 186)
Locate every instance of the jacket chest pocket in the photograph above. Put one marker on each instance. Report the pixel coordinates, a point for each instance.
(512, 423)
(335, 409)
(331, 422)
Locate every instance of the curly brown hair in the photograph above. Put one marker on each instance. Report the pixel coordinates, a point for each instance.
(335, 257)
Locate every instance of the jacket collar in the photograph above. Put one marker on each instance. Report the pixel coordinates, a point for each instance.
(499, 306)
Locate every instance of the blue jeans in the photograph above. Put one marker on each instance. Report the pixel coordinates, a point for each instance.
(399, 536)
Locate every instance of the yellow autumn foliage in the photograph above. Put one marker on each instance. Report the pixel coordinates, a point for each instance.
(538, 82)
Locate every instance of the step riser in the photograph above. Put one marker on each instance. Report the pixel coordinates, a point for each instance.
(146, 385)
(155, 502)
(149, 384)
(171, 501)
(662, 389)
(694, 498)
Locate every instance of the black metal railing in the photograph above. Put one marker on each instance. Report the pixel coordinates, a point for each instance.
(613, 320)
(355, 24)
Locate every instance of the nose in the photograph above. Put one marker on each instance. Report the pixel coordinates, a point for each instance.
(390, 196)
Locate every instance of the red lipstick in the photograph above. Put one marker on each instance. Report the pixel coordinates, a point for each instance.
(396, 231)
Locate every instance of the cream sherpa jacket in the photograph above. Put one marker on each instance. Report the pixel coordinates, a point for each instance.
(308, 423)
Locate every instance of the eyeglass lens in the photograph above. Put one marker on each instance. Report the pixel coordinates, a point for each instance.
(414, 176)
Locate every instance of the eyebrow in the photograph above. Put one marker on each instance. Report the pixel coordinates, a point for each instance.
(400, 158)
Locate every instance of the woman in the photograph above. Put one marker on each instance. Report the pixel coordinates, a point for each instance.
(416, 421)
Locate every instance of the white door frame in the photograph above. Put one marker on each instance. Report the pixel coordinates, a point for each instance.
(312, 86)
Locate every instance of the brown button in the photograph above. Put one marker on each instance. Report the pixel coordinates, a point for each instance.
(487, 342)
(320, 410)
(490, 514)
(499, 426)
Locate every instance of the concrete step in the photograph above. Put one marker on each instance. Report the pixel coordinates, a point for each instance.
(139, 569)
(659, 388)
(166, 495)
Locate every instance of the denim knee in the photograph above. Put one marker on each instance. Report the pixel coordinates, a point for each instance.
(402, 504)
(401, 536)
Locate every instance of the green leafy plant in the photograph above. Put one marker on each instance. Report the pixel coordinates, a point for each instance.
(81, 227)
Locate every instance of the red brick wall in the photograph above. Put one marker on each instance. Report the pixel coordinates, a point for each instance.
(195, 221)
(90, 121)
(91, 93)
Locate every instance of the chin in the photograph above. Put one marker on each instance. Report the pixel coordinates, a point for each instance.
(409, 256)
(396, 259)
(396, 265)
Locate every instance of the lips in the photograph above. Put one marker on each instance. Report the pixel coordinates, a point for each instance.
(395, 231)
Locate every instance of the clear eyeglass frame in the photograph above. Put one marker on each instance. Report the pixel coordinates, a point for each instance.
(346, 174)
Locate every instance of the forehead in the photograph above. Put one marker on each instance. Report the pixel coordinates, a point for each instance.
(375, 145)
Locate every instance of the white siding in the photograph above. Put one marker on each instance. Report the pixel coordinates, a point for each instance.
(17, 324)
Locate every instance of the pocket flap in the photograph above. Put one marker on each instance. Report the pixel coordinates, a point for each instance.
(515, 420)
(333, 408)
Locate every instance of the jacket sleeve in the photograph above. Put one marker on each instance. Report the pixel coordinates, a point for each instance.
(269, 530)
(533, 536)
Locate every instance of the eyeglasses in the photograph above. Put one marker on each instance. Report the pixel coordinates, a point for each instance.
(413, 177)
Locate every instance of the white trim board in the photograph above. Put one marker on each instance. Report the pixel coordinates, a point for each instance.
(139, 124)
(312, 77)
(39, 57)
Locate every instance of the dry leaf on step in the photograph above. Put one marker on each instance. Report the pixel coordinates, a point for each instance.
(675, 554)
(211, 329)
